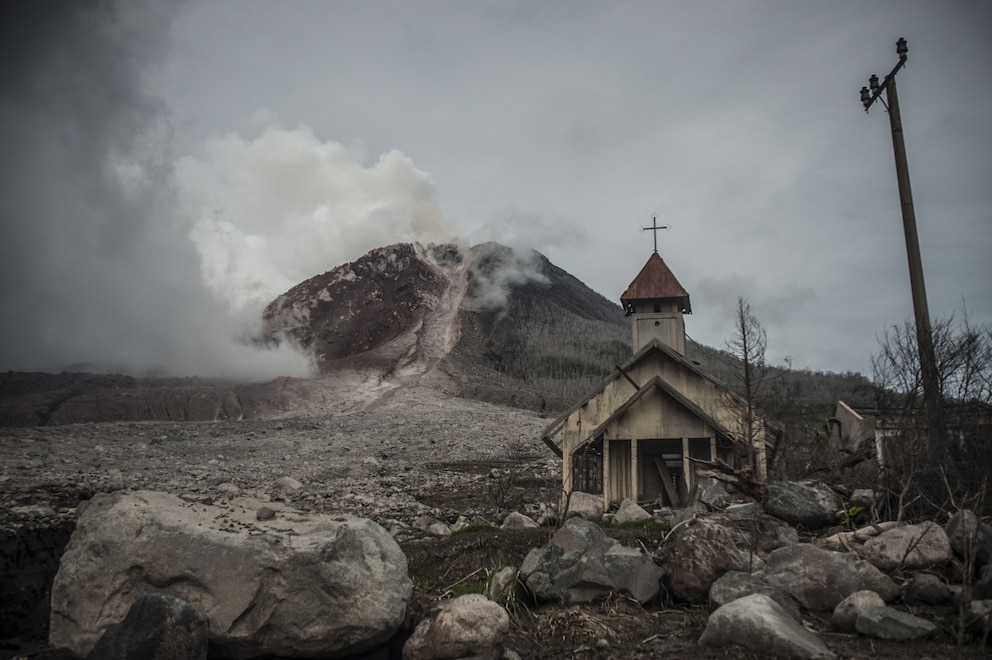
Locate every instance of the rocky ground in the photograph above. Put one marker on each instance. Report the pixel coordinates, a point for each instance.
(411, 452)
(391, 454)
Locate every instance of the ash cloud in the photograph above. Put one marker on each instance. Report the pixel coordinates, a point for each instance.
(507, 253)
(273, 210)
(116, 256)
(497, 269)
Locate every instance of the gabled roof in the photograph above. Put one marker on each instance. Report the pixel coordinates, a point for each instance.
(621, 372)
(658, 383)
(652, 346)
(656, 281)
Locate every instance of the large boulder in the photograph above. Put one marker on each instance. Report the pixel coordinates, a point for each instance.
(820, 579)
(630, 512)
(467, 626)
(582, 565)
(811, 504)
(889, 623)
(297, 585)
(502, 584)
(736, 584)
(909, 547)
(760, 625)
(968, 534)
(756, 532)
(927, 589)
(585, 505)
(709, 494)
(517, 520)
(845, 615)
(695, 555)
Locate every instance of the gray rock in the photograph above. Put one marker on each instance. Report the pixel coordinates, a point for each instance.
(927, 589)
(517, 520)
(265, 513)
(964, 529)
(502, 584)
(461, 523)
(695, 555)
(467, 626)
(289, 484)
(845, 615)
(760, 625)
(876, 580)
(431, 526)
(756, 532)
(296, 586)
(630, 512)
(889, 623)
(581, 565)
(820, 579)
(708, 493)
(863, 497)
(736, 584)
(585, 505)
(909, 547)
(807, 503)
(157, 627)
(742, 508)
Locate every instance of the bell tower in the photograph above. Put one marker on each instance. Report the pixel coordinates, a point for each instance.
(655, 303)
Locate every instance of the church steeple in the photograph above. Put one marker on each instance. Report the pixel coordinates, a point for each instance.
(655, 303)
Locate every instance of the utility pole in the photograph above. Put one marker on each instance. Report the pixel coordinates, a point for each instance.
(924, 334)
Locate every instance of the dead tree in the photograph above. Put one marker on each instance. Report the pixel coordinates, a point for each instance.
(748, 345)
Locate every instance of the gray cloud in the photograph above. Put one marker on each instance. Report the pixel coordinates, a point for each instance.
(737, 123)
(98, 270)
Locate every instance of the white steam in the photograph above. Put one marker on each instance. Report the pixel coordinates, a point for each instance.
(273, 211)
(498, 269)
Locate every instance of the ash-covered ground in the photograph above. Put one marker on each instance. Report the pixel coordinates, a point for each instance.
(388, 454)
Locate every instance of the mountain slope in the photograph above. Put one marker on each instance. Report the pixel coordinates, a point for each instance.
(485, 322)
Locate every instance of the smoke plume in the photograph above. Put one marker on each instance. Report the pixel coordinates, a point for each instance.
(115, 255)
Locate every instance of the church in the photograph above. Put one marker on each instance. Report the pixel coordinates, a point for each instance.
(640, 434)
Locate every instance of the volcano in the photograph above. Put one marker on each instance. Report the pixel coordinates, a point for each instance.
(487, 322)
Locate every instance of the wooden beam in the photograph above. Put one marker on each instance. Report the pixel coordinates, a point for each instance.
(666, 479)
(551, 443)
(630, 380)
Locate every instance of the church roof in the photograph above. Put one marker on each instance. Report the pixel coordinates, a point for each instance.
(654, 346)
(651, 347)
(658, 383)
(656, 281)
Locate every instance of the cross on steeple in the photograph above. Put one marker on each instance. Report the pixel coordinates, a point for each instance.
(654, 228)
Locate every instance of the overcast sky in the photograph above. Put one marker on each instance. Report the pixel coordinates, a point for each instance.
(168, 169)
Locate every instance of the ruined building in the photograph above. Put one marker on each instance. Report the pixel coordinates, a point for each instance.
(637, 434)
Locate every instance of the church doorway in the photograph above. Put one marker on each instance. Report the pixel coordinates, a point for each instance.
(661, 472)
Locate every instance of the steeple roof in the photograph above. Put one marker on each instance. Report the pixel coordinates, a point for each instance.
(654, 282)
